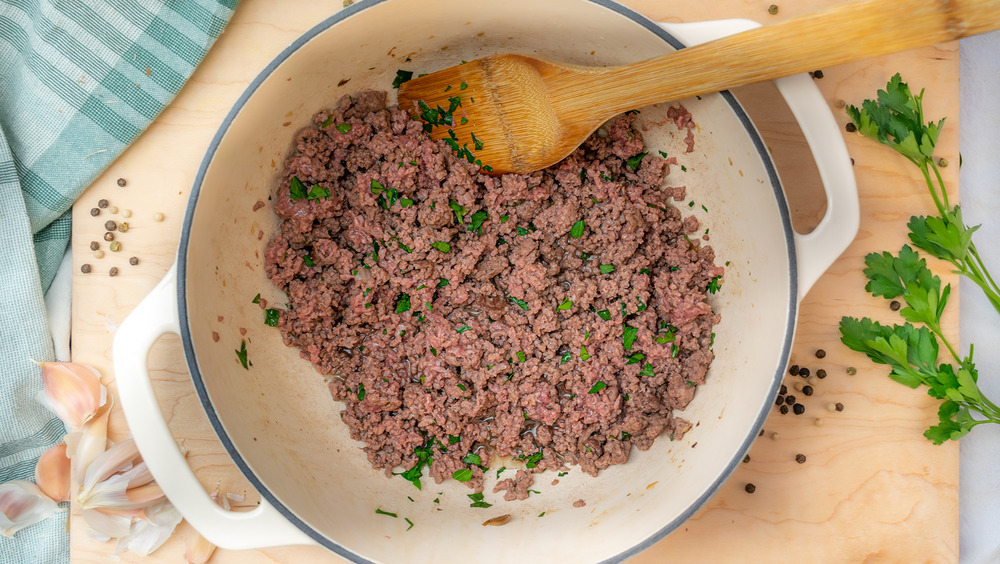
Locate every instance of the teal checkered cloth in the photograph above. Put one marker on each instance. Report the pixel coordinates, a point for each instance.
(79, 81)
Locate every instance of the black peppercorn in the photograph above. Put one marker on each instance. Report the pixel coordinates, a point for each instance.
(840, 406)
(804, 372)
(133, 261)
(820, 353)
(746, 459)
(94, 245)
(102, 203)
(800, 458)
(113, 271)
(109, 236)
(821, 373)
(783, 409)
(761, 433)
(850, 127)
(85, 268)
(784, 389)
(95, 212)
(121, 182)
(794, 370)
(894, 305)
(817, 74)
(110, 225)
(799, 409)
(807, 390)
(779, 400)
(790, 400)
(750, 488)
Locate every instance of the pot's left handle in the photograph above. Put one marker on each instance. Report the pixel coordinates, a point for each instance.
(157, 315)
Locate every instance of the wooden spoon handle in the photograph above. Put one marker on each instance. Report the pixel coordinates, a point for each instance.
(849, 32)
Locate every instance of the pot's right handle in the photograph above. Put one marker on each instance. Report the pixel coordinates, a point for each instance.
(816, 251)
(157, 315)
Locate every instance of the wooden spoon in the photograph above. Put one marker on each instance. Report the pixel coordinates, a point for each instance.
(513, 113)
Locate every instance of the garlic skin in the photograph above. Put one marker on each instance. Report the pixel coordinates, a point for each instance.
(73, 391)
(22, 504)
(52, 473)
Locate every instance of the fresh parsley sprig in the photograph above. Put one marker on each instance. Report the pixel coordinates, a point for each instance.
(896, 119)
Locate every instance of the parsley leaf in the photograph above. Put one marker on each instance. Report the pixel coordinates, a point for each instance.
(520, 303)
(634, 162)
(472, 459)
(477, 500)
(463, 475)
(442, 283)
(242, 355)
(604, 314)
(256, 299)
(584, 355)
(521, 356)
(566, 304)
(442, 246)
(361, 391)
(577, 230)
(647, 370)
(403, 304)
(597, 387)
(297, 190)
(318, 192)
(271, 317)
(343, 127)
(477, 220)
(713, 285)
(401, 77)
(628, 336)
(607, 268)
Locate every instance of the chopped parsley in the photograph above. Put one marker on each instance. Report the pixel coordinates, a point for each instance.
(633, 162)
(442, 283)
(318, 192)
(401, 77)
(463, 475)
(477, 500)
(504, 218)
(434, 351)
(628, 336)
(520, 303)
(441, 246)
(256, 299)
(597, 387)
(635, 358)
(604, 314)
(584, 355)
(343, 127)
(308, 260)
(713, 286)
(242, 355)
(607, 268)
(566, 357)
(361, 392)
(403, 304)
(566, 304)
(477, 220)
(521, 356)
(647, 370)
(522, 231)
(662, 154)
(533, 460)
(577, 230)
(405, 202)
(500, 471)
(459, 210)
(410, 523)
(296, 190)
(463, 329)
(380, 512)
(327, 122)
(271, 317)
(472, 459)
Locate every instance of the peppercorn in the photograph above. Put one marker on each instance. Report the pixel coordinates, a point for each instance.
(113, 271)
(818, 422)
(821, 373)
(774, 435)
(113, 209)
(839, 406)
(804, 372)
(831, 406)
(772, 9)
(807, 390)
(126, 213)
(123, 226)
(794, 370)
(102, 203)
(894, 305)
(790, 400)
(99, 254)
(850, 127)
(784, 389)
(109, 236)
(157, 216)
(779, 400)
(110, 225)
(133, 261)
(94, 245)
(95, 212)
(85, 268)
(761, 433)
(820, 353)
(817, 74)
(746, 459)
(800, 458)
(799, 409)
(121, 182)
(783, 409)
(942, 162)
(115, 246)
(851, 371)
(750, 488)
(798, 386)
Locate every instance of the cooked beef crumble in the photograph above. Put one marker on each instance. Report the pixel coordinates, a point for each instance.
(456, 313)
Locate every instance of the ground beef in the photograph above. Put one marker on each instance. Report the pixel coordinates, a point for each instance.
(557, 318)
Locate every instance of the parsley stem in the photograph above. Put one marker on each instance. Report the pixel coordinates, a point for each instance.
(930, 186)
(944, 192)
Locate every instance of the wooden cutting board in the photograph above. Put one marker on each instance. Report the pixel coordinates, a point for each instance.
(872, 489)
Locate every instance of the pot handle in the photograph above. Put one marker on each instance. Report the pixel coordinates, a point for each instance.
(157, 315)
(815, 251)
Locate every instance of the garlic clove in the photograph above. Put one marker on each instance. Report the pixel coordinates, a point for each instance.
(144, 495)
(116, 459)
(22, 504)
(86, 444)
(73, 391)
(52, 473)
(199, 549)
(138, 476)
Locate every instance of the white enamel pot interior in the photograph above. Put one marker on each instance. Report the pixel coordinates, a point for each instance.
(277, 419)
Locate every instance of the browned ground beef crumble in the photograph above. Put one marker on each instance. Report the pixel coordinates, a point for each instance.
(456, 313)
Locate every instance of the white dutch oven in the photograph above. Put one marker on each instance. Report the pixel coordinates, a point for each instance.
(277, 419)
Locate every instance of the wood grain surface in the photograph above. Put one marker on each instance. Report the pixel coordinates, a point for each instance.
(872, 489)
